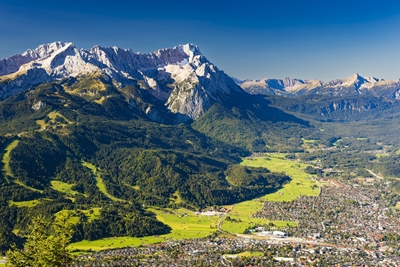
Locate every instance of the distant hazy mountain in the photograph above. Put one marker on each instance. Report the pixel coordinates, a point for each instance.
(180, 77)
(352, 86)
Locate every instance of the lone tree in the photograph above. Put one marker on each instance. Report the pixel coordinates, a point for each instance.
(43, 248)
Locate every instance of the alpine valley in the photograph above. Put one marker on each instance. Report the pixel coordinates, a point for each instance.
(109, 135)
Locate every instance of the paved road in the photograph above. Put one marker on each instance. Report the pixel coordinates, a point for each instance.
(222, 220)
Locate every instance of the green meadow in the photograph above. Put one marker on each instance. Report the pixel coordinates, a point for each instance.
(176, 198)
(52, 117)
(29, 203)
(6, 158)
(378, 156)
(63, 187)
(301, 184)
(185, 224)
(241, 217)
(90, 214)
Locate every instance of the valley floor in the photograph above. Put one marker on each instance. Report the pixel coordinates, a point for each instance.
(323, 221)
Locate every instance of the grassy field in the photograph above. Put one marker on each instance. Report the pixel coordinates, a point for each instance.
(301, 184)
(243, 222)
(378, 156)
(241, 217)
(185, 224)
(26, 186)
(99, 181)
(29, 203)
(91, 214)
(52, 121)
(100, 101)
(74, 219)
(42, 124)
(63, 188)
(6, 158)
(176, 199)
(246, 254)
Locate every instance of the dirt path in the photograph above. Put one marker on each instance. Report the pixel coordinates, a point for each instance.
(374, 174)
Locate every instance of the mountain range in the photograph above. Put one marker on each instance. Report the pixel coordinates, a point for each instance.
(181, 77)
(160, 128)
(351, 86)
(80, 129)
(173, 85)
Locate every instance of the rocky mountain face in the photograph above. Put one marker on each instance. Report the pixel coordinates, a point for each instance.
(181, 77)
(352, 86)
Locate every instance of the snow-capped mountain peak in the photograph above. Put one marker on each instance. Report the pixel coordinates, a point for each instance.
(190, 50)
(353, 85)
(180, 76)
(45, 50)
(354, 79)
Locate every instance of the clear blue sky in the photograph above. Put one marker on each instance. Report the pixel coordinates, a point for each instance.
(247, 39)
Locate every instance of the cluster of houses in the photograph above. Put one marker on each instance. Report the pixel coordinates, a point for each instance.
(261, 231)
(226, 252)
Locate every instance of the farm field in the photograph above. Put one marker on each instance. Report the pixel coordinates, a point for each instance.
(185, 224)
(301, 184)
